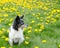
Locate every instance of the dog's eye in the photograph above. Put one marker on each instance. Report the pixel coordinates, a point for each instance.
(22, 23)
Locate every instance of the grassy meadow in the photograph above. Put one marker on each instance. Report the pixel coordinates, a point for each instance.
(42, 17)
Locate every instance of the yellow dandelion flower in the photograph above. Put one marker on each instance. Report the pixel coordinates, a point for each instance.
(57, 16)
(29, 27)
(29, 6)
(3, 47)
(48, 20)
(47, 23)
(3, 37)
(14, 9)
(45, 13)
(29, 31)
(37, 17)
(1, 32)
(38, 13)
(40, 6)
(6, 15)
(6, 39)
(34, 1)
(32, 21)
(36, 47)
(11, 19)
(41, 20)
(59, 45)
(33, 14)
(5, 8)
(53, 11)
(45, 8)
(3, 29)
(9, 24)
(26, 42)
(52, 18)
(0, 21)
(0, 4)
(58, 10)
(19, 14)
(10, 11)
(30, 1)
(38, 24)
(9, 0)
(10, 47)
(44, 41)
(42, 26)
(3, 1)
(40, 30)
(24, 29)
(8, 31)
(27, 37)
(36, 30)
(48, 17)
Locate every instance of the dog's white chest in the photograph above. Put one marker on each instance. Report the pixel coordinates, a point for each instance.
(16, 35)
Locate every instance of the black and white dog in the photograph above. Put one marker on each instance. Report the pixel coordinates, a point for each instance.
(16, 32)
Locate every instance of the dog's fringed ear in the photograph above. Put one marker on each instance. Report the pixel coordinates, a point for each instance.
(17, 18)
(22, 17)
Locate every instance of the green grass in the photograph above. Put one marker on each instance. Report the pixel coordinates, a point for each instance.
(50, 32)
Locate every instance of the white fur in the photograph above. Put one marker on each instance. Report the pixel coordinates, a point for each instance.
(16, 36)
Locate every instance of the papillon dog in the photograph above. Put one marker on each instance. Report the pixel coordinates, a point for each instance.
(16, 31)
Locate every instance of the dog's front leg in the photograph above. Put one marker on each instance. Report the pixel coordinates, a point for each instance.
(11, 42)
(20, 41)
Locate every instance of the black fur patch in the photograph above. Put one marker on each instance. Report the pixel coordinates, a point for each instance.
(18, 22)
(15, 43)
